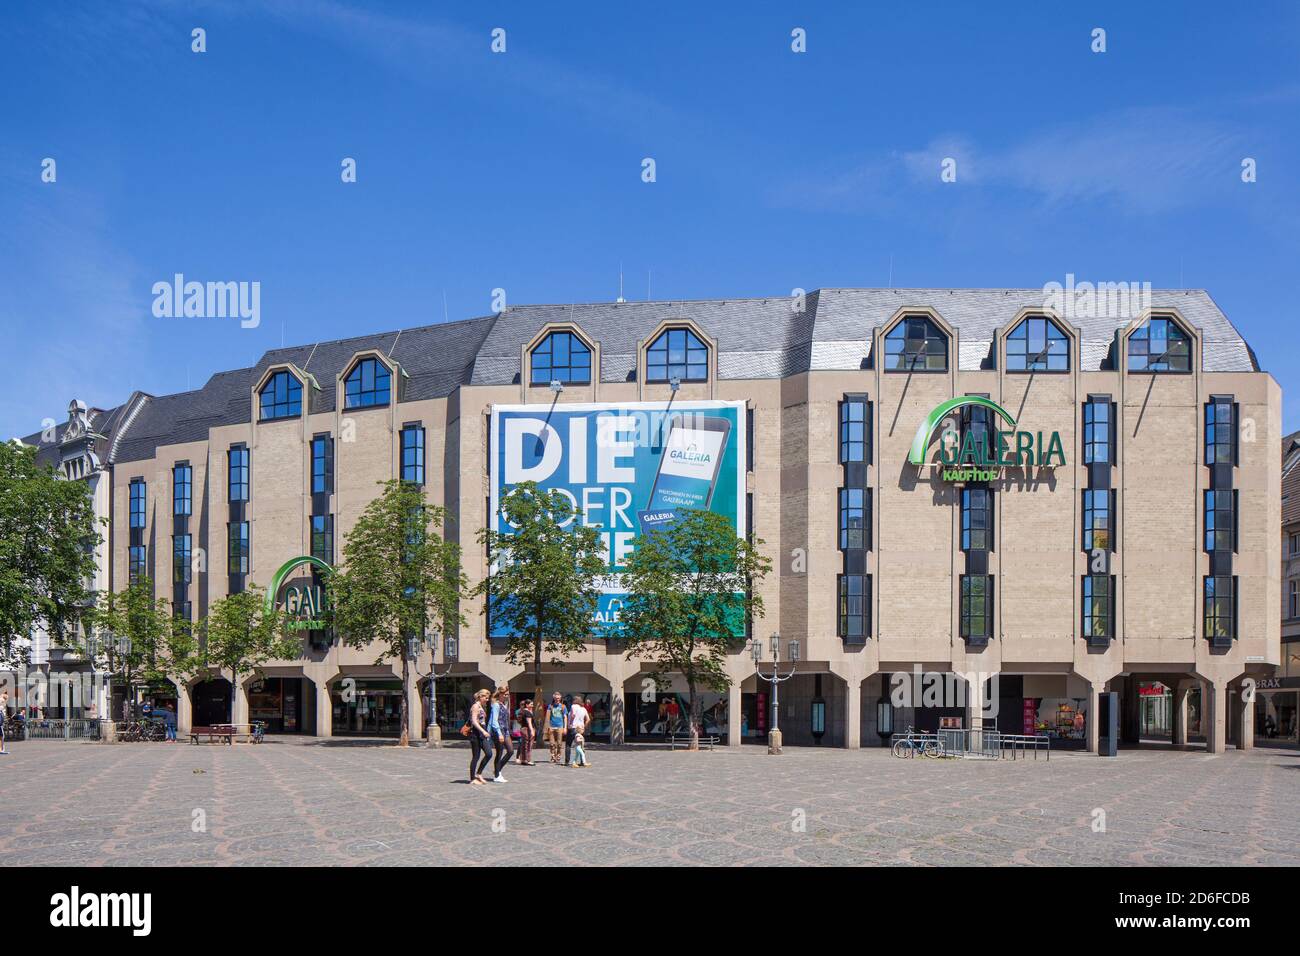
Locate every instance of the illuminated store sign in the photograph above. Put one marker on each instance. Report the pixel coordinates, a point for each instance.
(980, 455)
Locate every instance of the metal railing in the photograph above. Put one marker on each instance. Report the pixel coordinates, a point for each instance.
(981, 743)
(75, 728)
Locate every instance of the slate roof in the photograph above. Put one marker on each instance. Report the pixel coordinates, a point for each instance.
(758, 338)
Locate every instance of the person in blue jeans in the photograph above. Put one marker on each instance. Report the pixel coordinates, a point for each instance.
(169, 722)
(499, 725)
(556, 716)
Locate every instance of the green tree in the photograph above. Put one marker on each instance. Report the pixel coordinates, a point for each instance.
(399, 579)
(240, 635)
(131, 636)
(690, 589)
(48, 537)
(543, 587)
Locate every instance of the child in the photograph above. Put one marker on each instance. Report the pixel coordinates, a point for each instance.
(579, 754)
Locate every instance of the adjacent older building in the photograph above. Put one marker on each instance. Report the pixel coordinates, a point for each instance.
(1048, 503)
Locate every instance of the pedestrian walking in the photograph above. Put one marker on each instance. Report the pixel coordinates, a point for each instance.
(480, 738)
(169, 722)
(527, 731)
(555, 715)
(499, 721)
(4, 716)
(579, 720)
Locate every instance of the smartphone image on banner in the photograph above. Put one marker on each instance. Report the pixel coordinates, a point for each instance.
(688, 469)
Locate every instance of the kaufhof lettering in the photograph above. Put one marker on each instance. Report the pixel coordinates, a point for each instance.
(972, 454)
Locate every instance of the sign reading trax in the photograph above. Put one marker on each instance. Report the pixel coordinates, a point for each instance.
(980, 455)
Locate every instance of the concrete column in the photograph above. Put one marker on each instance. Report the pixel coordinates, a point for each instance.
(853, 714)
(1247, 739)
(617, 714)
(184, 710)
(324, 711)
(239, 701)
(1181, 690)
(1214, 715)
(414, 710)
(733, 714)
(1094, 717)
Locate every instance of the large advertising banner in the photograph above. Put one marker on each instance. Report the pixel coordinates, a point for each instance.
(628, 467)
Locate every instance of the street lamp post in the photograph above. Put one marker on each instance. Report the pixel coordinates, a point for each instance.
(776, 680)
(432, 730)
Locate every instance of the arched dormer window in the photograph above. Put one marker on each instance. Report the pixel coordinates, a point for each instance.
(1160, 345)
(916, 344)
(368, 385)
(1038, 344)
(280, 397)
(561, 357)
(677, 354)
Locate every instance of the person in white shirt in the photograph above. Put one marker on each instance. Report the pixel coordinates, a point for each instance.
(579, 717)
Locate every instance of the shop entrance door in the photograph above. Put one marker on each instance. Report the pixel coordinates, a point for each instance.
(211, 702)
(373, 708)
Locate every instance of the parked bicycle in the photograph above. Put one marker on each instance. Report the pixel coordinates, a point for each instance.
(913, 744)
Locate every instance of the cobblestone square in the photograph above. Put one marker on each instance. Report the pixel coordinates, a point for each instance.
(335, 803)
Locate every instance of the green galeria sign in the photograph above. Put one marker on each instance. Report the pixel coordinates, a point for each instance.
(305, 607)
(981, 456)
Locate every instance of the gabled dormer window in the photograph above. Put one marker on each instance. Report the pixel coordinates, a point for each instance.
(677, 354)
(916, 344)
(1037, 344)
(281, 397)
(1160, 345)
(561, 357)
(368, 385)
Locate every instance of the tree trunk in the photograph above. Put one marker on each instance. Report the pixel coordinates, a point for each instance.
(405, 740)
(695, 727)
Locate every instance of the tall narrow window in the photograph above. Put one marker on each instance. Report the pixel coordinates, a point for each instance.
(237, 489)
(1037, 344)
(1097, 431)
(1159, 346)
(239, 547)
(136, 566)
(976, 606)
(367, 385)
(976, 519)
(138, 498)
(1097, 520)
(183, 611)
(855, 605)
(916, 344)
(182, 481)
(1220, 432)
(281, 397)
(1220, 608)
(322, 537)
(1293, 599)
(677, 354)
(322, 464)
(1221, 520)
(561, 357)
(181, 559)
(853, 430)
(413, 454)
(1098, 602)
(855, 530)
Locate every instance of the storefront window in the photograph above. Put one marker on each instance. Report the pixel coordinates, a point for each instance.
(1275, 716)
(278, 703)
(1063, 719)
(372, 709)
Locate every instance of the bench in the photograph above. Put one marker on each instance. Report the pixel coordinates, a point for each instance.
(217, 733)
(685, 741)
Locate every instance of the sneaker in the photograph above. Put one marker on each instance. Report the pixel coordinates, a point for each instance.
(498, 779)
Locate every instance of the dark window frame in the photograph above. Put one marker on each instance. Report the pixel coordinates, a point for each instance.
(1091, 443)
(970, 510)
(1088, 605)
(1219, 609)
(899, 344)
(139, 503)
(137, 562)
(322, 539)
(855, 420)
(1052, 334)
(967, 613)
(322, 464)
(567, 372)
(694, 364)
(284, 403)
(182, 489)
(416, 465)
(1216, 504)
(182, 554)
(847, 511)
(238, 476)
(853, 608)
(1088, 515)
(362, 386)
(239, 547)
(1220, 450)
(1172, 333)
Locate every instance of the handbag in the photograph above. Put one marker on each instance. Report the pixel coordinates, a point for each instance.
(465, 729)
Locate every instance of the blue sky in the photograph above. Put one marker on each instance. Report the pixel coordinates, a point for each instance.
(522, 170)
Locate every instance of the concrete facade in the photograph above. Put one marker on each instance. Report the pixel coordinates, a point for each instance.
(793, 391)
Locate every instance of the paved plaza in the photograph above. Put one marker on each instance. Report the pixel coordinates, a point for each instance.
(335, 803)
